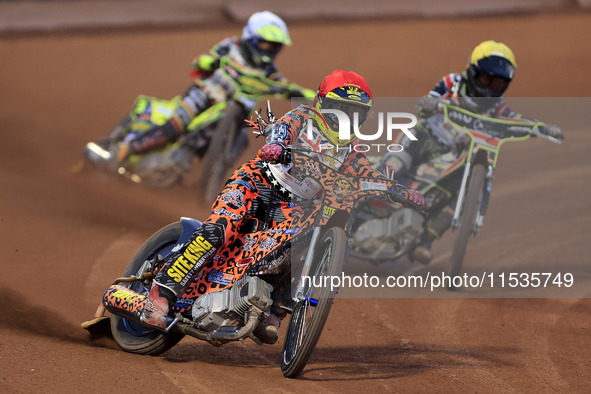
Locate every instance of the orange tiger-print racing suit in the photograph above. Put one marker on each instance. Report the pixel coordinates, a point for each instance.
(259, 194)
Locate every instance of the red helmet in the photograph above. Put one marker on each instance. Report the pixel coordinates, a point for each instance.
(348, 92)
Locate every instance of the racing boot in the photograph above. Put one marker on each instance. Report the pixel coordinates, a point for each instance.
(422, 252)
(178, 273)
(155, 312)
(434, 229)
(268, 331)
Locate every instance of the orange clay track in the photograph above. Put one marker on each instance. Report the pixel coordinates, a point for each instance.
(66, 235)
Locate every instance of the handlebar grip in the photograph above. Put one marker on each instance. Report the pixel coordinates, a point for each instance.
(538, 133)
(442, 104)
(397, 198)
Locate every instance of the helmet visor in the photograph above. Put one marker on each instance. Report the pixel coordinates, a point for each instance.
(356, 114)
(269, 46)
(494, 83)
(265, 50)
(497, 66)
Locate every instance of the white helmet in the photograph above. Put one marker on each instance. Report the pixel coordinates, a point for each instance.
(263, 37)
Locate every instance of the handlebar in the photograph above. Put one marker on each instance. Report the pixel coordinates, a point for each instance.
(442, 104)
(537, 126)
(397, 198)
(538, 133)
(392, 195)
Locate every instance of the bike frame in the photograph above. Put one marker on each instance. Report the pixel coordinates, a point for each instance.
(339, 196)
(487, 135)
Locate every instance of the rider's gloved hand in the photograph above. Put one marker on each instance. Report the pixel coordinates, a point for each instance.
(118, 154)
(416, 197)
(411, 195)
(428, 106)
(298, 91)
(303, 93)
(123, 152)
(553, 131)
(275, 153)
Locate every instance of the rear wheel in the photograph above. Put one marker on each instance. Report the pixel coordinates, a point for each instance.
(310, 314)
(131, 336)
(466, 221)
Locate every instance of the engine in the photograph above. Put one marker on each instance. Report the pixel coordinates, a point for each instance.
(228, 307)
(389, 235)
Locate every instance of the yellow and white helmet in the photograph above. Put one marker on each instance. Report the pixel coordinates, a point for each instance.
(263, 37)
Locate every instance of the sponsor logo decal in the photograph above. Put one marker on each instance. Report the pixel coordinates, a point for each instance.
(267, 244)
(243, 183)
(373, 186)
(129, 297)
(244, 262)
(219, 277)
(327, 211)
(249, 243)
(183, 303)
(234, 198)
(225, 212)
(200, 248)
(343, 188)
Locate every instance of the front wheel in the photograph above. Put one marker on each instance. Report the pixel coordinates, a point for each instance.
(131, 336)
(310, 314)
(466, 221)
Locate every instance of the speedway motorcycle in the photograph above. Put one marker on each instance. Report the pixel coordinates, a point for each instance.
(216, 135)
(463, 180)
(230, 297)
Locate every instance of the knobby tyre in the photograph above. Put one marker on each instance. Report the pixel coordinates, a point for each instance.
(466, 221)
(307, 321)
(131, 336)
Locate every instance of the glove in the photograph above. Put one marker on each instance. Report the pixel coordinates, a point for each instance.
(123, 152)
(553, 131)
(411, 195)
(416, 197)
(428, 106)
(298, 91)
(275, 153)
(118, 154)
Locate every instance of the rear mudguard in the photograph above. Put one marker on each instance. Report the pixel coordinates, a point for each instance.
(125, 302)
(189, 227)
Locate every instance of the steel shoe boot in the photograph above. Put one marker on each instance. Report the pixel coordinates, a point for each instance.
(268, 331)
(422, 253)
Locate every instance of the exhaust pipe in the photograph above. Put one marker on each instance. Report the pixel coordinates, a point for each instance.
(224, 334)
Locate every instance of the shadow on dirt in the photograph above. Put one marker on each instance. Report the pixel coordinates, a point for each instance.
(351, 363)
(19, 314)
(375, 362)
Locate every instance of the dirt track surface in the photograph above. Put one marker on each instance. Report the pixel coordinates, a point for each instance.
(66, 235)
